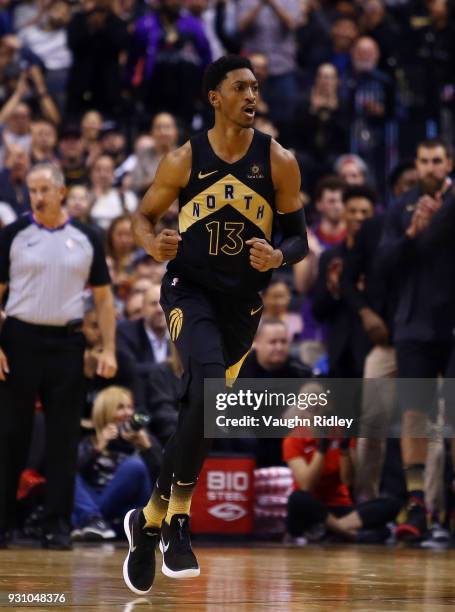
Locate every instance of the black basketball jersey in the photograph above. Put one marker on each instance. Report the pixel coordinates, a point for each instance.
(222, 206)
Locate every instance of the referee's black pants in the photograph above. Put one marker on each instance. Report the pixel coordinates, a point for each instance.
(44, 362)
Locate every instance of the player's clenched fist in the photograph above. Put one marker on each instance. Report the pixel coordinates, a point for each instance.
(163, 246)
(263, 256)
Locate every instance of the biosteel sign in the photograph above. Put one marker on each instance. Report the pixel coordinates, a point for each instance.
(223, 500)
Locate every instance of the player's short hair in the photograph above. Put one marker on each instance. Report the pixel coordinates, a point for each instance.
(359, 191)
(216, 72)
(432, 143)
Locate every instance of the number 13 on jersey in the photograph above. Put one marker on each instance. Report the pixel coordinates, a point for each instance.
(229, 234)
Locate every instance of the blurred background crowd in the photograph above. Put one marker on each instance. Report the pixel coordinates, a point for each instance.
(105, 88)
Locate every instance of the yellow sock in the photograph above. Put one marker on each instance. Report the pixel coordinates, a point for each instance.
(156, 509)
(180, 502)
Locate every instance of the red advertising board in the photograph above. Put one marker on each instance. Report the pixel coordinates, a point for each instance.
(223, 499)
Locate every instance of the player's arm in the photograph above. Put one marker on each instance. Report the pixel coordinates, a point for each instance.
(294, 244)
(172, 175)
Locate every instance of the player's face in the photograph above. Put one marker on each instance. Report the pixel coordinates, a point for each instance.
(433, 165)
(237, 97)
(356, 211)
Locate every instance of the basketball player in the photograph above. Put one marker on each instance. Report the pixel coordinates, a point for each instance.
(230, 182)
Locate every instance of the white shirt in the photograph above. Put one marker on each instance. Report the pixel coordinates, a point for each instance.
(50, 46)
(159, 346)
(109, 206)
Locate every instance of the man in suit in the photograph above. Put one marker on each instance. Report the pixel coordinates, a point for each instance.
(417, 244)
(347, 342)
(145, 341)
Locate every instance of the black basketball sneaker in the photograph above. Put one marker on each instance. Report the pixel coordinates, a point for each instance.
(139, 565)
(179, 560)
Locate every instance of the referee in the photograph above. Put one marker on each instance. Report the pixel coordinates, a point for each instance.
(46, 261)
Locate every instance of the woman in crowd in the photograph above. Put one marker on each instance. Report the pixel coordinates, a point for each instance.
(117, 465)
(120, 247)
(277, 298)
(323, 472)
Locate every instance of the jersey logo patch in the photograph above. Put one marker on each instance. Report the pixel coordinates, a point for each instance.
(255, 172)
(175, 323)
(203, 175)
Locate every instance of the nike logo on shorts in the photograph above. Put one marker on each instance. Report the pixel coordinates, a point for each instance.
(203, 175)
(255, 310)
(184, 484)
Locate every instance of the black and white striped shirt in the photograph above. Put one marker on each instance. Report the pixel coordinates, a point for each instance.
(47, 270)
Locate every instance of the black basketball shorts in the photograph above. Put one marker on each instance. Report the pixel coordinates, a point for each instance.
(210, 327)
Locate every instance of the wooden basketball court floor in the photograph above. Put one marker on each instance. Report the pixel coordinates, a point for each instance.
(323, 579)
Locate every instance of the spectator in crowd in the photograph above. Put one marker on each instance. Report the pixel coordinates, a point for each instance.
(328, 231)
(78, 203)
(47, 38)
(376, 23)
(44, 141)
(165, 135)
(323, 471)
(372, 297)
(91, 125)
(117, 466)
(143, 144)
(71, 155)
(16, 117)
(271, 358)
(109, 202)
(347, 342)
(13, 186)
(144, 341)
(163, 392)
(402, 178)
(352, 169)
(428, 60)
(370, 95)
(276, 298)
(269, 28)
(260, 65)
(168, 53)
(96, 38)
(113, 143)
(205, 13)
(120, 248)
(7, 214)
(42, 347)
(134, 306)
(29, 89)
(320, 124)
(417, 244)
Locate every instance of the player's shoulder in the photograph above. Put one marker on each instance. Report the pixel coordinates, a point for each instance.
(176, 165)
(283, 161)
(281, 157)
(179, 157)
